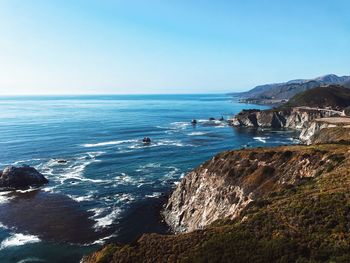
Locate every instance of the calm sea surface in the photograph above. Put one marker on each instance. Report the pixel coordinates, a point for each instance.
(111, 186)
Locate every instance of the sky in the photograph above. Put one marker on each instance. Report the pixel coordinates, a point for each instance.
(168, 46)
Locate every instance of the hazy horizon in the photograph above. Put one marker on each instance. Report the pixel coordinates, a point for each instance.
(183, 47)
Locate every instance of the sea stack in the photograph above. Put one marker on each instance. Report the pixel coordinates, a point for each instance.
(21, 177)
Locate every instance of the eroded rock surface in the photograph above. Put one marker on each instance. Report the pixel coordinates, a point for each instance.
(225, 185)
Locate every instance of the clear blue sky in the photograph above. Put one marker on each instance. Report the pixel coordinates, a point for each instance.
(168, 46)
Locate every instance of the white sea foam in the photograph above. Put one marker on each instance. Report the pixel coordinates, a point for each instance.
(97, 212)
(4, 198)
(261, 139)
(103, 240)
(107, 220)
(31, 260)
(150, 165)
(81, 198)
(18, 239)
(49, 189)
(107, 143)
(26, 161)
(153, 195)
(125, 198)
(158, 143)
(27, 190)
(3, 226)
(294, 140)
(196, 133)
(180, 125)
(74, 170)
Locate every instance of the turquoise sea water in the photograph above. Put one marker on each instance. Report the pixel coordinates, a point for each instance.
(111, 186)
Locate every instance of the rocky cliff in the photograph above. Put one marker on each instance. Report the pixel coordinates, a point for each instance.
(326, 130)
(294, 118)
(300, 118)
(225, 185)
(283, 204)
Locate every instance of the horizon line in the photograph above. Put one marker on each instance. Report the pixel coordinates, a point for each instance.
(112, 94)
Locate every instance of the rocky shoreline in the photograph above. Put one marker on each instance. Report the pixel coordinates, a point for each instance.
(306, 120)
(245, 204)
(224, 188)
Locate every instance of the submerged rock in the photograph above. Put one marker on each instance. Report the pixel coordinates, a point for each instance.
(21, 177)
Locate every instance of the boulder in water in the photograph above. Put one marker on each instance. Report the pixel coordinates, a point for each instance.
(21, 177)
(146, 140)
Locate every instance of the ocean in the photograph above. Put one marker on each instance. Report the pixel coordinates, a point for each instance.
(104, 184)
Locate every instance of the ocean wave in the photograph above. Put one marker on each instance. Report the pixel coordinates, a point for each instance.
(125, 198)
(18, 239)
(27, 190)
(153, 195)
(102, 241)
(158, 143)
(49, 189)
(88, 145)
(4, 198)
(97, 212)
(261, 139)
(150, 165)
(31, 260)
(197, 133)
(26, 161)
(294, 140)
(81, 198)
(3, 226)
(72, 170)
(108, 219)
(180, 125)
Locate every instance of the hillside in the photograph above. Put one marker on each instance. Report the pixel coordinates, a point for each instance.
(332, 96)
(288, 89)
(296, 209)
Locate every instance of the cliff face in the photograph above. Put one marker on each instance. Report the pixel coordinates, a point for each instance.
(326, 130)
(283, 204)
(295, 118)
(225, 185)
(300, 118)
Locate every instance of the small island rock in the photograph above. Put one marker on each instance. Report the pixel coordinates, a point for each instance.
(21, 177)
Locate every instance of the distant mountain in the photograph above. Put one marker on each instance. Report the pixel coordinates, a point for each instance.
(288, 89)
(334, 96)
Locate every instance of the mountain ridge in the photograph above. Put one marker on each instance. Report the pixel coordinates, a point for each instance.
(286, 90)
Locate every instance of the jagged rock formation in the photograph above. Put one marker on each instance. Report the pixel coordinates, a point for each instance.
(296, 210)
(225, 185)
(326, 130)
(294, 118)
(21, 177)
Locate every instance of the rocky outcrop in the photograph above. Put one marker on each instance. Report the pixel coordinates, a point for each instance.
(21, 177)
(225, 185)
(326, 130)
(295, 118)
(300, 118)
(297, 208)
